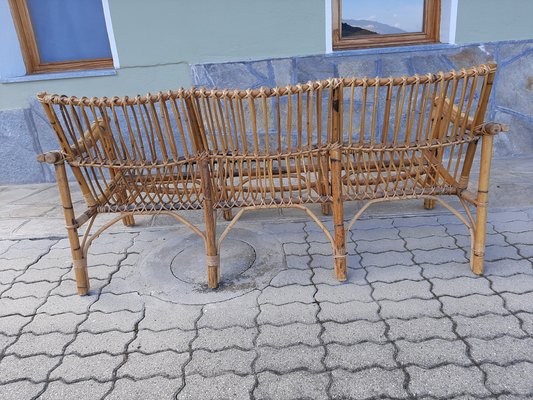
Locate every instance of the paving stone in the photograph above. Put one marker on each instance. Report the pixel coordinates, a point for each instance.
(26, 306)
(287, 294)
(51, 344)
(473, 305)
(519, 283)
(375, 234)
(458, 287)
(6, 341)
(343, 293)
(228, 386)
(97, 321)
(423, 231)
(112, 342)
(360, 356)
(160, 315)
(288, 335)
(508, 267)
(386, 259)
(34, 368)
(296, 249)
(287, 313)
(75, 368)
(409, 221)
(59, 304)
(520, 238)
(109, 302)
(8, 276)
(402, 290)
(88, 390)
(20, 390)
(519, 302)
(218, 339)
(293, 385)
(143, 366)
(351, 311)
(11, 325)
(422, 328)
(439, 256)
(369, 383)
(210, 364)
(291, 277)
(289, 358)
(502, 350)
(513, 226)
(316, 248)
(498, 252)
(446, 270)
(513, 378)
(319, 261)
(446, 381)
(327, 276)
(394, 274)
(18, 264)
(432, 353)
(488, 326)
(157, 388)
(152, 342)
(527, 322)
(410, 308)
(378, 246)
(63, 323)
(525, 250)
(241, 311)
(35, 275)
(298, 262)
(430, 243)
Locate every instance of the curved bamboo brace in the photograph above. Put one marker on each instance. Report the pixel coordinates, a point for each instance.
(87, 240)
(297, 206)
(468, 225)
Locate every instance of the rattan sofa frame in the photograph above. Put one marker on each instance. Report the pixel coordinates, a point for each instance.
(325, 142)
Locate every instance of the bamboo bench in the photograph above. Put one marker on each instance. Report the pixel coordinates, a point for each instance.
(324, 143)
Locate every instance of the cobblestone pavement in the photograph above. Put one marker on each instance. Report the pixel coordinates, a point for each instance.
(411, 322)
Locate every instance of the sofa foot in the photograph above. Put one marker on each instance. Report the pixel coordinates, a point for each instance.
(213, 276)
(128, 220)
(340, 268)
(81, 275)
(227, 214)
(476, 263)
(429, 204)
(325, 208)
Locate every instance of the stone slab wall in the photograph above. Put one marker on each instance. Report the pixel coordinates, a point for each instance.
(511, 102)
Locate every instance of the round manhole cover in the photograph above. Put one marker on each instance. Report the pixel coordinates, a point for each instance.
(175, 269)
(189, 264)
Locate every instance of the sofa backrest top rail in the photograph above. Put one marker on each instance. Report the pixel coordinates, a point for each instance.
(480, 70)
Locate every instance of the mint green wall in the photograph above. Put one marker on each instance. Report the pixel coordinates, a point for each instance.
(156, 40)
(494, 20)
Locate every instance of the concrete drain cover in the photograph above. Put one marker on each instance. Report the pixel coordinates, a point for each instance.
(236, 257)
(175, 270)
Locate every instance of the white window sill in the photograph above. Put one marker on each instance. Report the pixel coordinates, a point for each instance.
(59, 75)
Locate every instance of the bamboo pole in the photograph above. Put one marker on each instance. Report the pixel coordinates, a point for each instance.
(336, 188)
(79, 262)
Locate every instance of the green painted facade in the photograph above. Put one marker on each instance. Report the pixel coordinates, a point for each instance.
(156, 41)
(494, 20)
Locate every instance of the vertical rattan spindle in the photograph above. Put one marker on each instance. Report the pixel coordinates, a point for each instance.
(336, 186)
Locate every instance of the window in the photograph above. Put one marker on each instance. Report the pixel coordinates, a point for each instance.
(376, 23)
(62, 35)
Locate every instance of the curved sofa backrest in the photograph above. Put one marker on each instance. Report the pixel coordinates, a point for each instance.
(374, 112)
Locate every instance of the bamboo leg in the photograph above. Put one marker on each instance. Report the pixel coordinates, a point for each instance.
(79, 262)
(429, 204)
(338, 217)
(322, 184)
(128, 220)
(478, 252)
(227, 214)
(212, 256)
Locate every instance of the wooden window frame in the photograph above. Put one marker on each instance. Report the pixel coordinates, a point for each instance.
(30, 51)
(430, 34)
